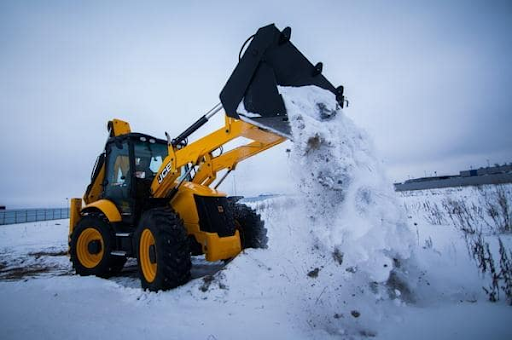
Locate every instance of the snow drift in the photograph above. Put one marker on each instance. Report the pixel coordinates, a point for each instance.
(351, 205)
(336, 247)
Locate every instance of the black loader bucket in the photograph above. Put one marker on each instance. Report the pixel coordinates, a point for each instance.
(270, 60)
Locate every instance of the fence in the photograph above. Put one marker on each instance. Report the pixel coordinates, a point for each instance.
(32, 215)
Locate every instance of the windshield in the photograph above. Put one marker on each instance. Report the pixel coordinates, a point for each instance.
(149, 155)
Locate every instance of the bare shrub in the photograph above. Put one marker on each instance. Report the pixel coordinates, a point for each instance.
(465, 218)
(489, 207)
(500, 278)
(487, 211)
(506, 271)
(434, 215)
(498, 209)
(492, 213)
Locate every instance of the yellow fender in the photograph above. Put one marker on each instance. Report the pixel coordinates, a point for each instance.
(74, 213)
(108, 209)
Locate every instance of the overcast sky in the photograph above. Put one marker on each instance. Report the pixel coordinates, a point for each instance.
(431, 81)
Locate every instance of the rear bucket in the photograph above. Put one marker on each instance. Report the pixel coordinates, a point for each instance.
(269, 61)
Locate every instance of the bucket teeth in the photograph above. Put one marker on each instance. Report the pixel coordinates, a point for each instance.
(318, 69)
(285, 35)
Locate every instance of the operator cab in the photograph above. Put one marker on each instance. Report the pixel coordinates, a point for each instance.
(131, 163)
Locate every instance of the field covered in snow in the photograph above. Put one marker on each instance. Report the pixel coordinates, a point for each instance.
(260, 294)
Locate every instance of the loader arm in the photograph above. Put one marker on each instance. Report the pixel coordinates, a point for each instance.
(200, 154)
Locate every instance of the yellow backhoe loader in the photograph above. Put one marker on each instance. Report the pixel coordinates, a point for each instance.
(153, 199)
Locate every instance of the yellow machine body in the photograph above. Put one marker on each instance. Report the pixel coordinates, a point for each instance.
(207, 165)
(214, 247)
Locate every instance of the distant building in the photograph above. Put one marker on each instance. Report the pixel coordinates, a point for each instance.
(490, 175)
(502, 169)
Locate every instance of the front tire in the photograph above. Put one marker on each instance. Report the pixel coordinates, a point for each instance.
(90, 248)
(162, 250)
(252, 230)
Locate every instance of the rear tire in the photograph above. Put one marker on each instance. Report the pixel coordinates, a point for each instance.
(253, 233)
(163, 254)
(90, 246)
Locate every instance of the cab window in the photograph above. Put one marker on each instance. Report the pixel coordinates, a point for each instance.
(149, 156)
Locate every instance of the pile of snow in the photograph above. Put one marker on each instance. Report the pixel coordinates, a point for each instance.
(335, 247)
(351, 205)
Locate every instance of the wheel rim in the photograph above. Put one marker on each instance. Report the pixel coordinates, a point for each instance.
(86, 258)
(147, 243)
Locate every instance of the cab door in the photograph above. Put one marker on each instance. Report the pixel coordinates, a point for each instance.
(118, 177)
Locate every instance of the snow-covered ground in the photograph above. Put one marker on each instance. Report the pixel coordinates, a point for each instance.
(41, 298)
(348, 258)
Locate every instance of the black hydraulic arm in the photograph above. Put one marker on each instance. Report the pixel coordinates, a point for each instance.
(181, 139)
